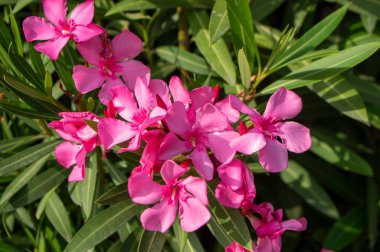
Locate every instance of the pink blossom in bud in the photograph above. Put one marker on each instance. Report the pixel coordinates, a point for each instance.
(189, 195)
(138, 116)
(237, 187)
(81, 139)
(57, 30)
(273, 137)
(109, 60)
(209, 128)
(270, 227)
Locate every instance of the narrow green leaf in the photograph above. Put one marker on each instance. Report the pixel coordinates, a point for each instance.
(116, 175)
(25, 157)
(88, 187)
(219, 24)
(25, 89)
(331, 150)
(340, 94)
(102, 225)
(130, 5)
(324, 68)
(65, 73)
(7, 145)
(263, 8)
(245, 73)
(369, 91)
(25, 218)
(193, 244)
(57, 214)
(48, 84)
(22, 179)
(217, 55)
(114, 195)
(298, 179)
(27, 71)
(27, 112)
(311, 56)
(346, 230)
(16, 32)
(42, 204)
(151, 241)
(183, 59)
(181, 235)
(313, 37)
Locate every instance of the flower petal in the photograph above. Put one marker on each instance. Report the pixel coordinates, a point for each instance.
(36, 28)
(210, 119)
(197, 187)
(171, 171)
(274, 156)
(202, 163)
(283, 104)
(295, 224)
(55, 11)
(159, 87)
(193, 214)
(232, 174)
(201, 96)
(172, 146)
(126, 46)
(219, 143)
(84, 33)
(250, 142)
(77, 174)
(124, 101)
(52, 48)
(87, 79)
(133, 145)
(83, 13)
(143, 190)
(226, 108)
(112, 131)
(177, 120)
(269, 245)
(178, 91)
(105, 94)
(133, 69)
(160, 217)
(66, 152)
(91, 50)
(296, 136)
(227, 197)
(143, 95)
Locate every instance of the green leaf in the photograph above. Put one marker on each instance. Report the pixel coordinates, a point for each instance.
(7, 145)
(183, 59)
(130, 5)
(102, 225)
(151, 241)
(25, 218)
(181, 235)
(58, 217)
(25, 157)
(331, 150)
(369, 91)
(241, 23)
(245, 73)
(42, 204)
(298, 179)
(22, 179)
(219, 24)
(340, 94)
(313, 37)
(227, 224)
(324, 68)
(262, 8)
(346, 230)
(88, 186)
(116, 175)
(217, 55)
(65, 74)
(27, 71)
(27, 112)
(193, 244)
(16, 32)
(37, 63)
(311, 56)
(114, 195)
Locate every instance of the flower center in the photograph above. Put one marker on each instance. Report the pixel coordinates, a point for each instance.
(196, 139)
(171, 192)
(139, 118)
(109, 68)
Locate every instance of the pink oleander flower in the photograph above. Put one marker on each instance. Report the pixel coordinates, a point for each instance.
(236, 247)
(138, 116)
(110, 60)
(273, 137)
(57, 30)
(189, 195)
(237, 187)
(209, 128)
(81, 139)
(270, 227)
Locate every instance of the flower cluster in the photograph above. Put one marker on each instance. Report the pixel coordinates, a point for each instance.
(187, 138)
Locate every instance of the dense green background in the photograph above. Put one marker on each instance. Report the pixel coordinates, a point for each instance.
(331, 61)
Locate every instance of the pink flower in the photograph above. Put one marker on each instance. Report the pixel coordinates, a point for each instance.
(236, 247)
(271, 136)
(270, 227)
(139, 117)
(109, 60)
(81, 139)
(189, 194)
(59, 31)
(208, 129)
(237, 187)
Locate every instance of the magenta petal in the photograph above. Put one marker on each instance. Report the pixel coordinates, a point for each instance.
(143, 190)
(124, 101)
(55, 10)
(91, 50)
(178, 91)
(126, 46)
(84, 33)
(36, 28)
(143, 95)
(283, 104)
(269, 245)
(210, 119)
(197, 187)
(134, 144)
(274, 156)
(66, 152)
(226, 108)
(219, 143)
(296, 136)
(133, 69)
(171, 171)
(193, 213)
(202, 163)
(83, 13)
(105, 94)
(232, 174)
(77, 174)
(159, 87)
(160, 217)
(201, 96)
(112, 131)
(87, 79)
(249, 143)
(295, 224)
(177, 120)
(171, 146)
(227, 197)
(52, 48)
